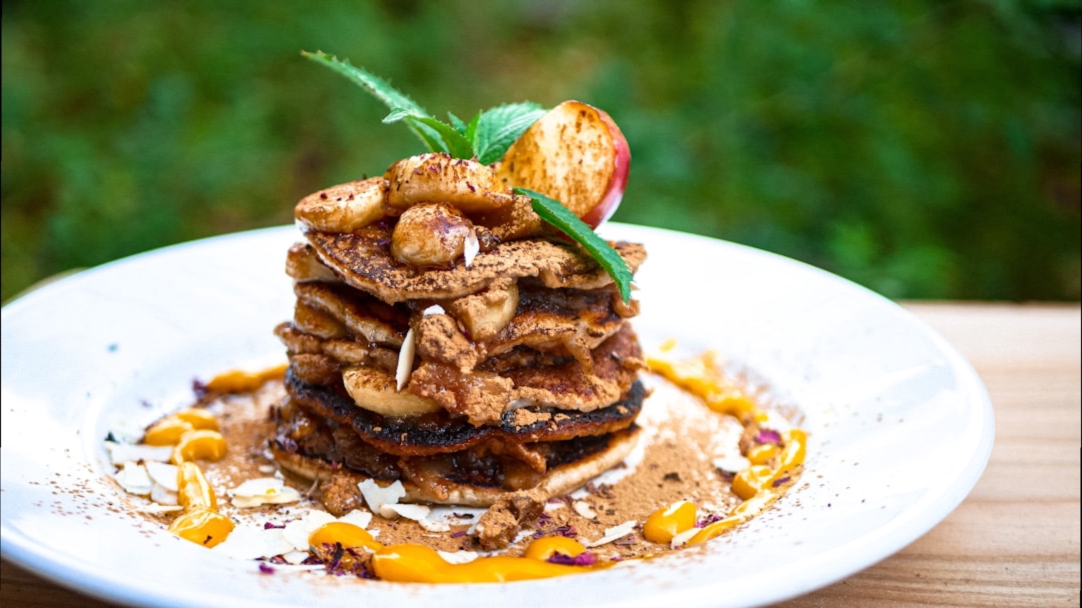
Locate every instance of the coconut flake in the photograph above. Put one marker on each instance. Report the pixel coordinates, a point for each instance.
(295, 557)
(613, 533)
(435, 309)
(244, 542)
(253, 542)
(317, 519)
(458, 557)
(414, 512)
(405, 359)
(584, 509)
(732, 464)
(297, 534)
(435, 526)
(298, 531)
(263, 491)
(361, 519)
(163, 474)
(134, 479)
(163, 496)
(471, 247)
(377, 496)
(124, 452)
(682, 538)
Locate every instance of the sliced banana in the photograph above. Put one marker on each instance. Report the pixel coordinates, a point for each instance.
(437, 177)
(484, 314)
(314, 321)
(430, 234)
(345, 207)
(355, 315)
(302, 264)
(376, 391)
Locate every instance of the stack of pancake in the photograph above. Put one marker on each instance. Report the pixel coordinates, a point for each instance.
(511, 369)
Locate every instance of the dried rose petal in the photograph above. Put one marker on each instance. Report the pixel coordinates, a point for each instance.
(265, 569)
(566, 530)
(768, 436)
(709, 519)
(582, 559)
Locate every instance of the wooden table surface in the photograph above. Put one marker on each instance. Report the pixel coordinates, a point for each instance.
(1013, 542)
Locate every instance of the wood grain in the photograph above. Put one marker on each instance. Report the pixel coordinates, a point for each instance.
(1013, 542)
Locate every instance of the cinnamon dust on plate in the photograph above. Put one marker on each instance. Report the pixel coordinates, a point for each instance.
(675, 460)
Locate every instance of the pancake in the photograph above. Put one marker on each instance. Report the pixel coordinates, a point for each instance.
(363, 260)
(570, 321)
(441, 433)
(594, 456)
(566, 384)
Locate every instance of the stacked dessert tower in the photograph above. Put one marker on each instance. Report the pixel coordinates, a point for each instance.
(445, 338)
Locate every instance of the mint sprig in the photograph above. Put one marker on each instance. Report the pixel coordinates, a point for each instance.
(486, 137)
(494, 130)
(553, 212)
(450, 139)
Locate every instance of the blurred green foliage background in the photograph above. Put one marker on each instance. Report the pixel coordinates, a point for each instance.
(926, 149)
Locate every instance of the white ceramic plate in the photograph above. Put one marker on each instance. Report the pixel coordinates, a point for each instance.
(900, 427)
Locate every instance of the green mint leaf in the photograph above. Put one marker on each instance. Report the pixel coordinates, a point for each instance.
(457, 123)
(553, 212)
(471, 129)
(499, 127)
(381, 90)
(450, 140)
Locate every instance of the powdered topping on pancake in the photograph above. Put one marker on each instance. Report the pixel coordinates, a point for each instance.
(363, 260)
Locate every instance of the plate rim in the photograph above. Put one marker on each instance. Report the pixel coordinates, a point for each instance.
(22, 552)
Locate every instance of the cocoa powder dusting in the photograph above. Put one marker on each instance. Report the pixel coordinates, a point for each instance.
(673, 462)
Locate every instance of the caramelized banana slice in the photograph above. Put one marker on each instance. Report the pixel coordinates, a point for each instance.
(375, 390)
(466, 184)
(484, 314)
(344, 208)
(362, 315)
(430, 234)
(314, 321)
(302, 264)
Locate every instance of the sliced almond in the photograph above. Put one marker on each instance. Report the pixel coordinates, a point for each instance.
(470, 248)
(613, 533)
(405, 360)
